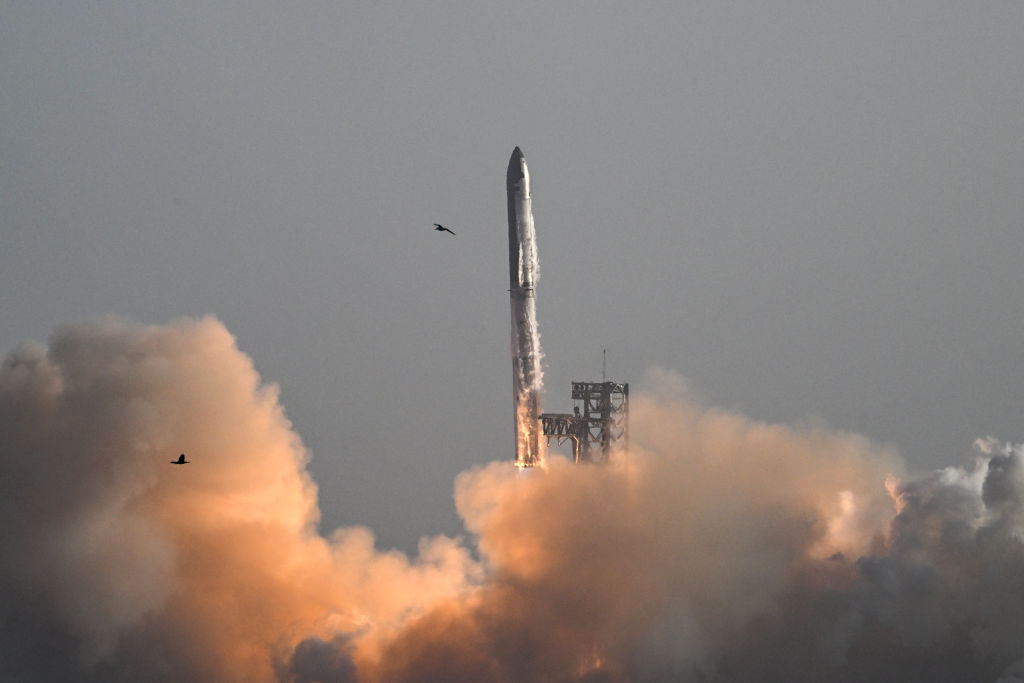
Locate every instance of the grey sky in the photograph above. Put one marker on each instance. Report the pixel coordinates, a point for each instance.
(809, 210)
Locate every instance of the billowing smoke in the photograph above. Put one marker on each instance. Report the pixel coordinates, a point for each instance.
(719, 549)
(118, 565)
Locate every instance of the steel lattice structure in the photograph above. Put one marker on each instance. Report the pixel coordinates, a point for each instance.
(598, 425)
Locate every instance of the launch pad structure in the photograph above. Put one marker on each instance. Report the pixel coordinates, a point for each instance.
(598, 424)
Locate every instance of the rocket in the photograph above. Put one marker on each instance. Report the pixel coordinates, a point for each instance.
(527, 378)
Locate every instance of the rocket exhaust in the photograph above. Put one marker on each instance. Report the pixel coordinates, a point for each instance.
(527, 378)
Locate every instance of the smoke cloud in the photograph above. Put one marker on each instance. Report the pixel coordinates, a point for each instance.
(119, 566)
(718, 549)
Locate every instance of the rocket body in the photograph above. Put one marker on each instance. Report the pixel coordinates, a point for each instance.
(527, 378)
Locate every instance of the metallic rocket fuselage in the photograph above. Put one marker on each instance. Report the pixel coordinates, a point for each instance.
(527, 379)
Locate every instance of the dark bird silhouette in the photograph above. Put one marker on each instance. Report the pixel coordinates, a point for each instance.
(440, 227)
(181, 460)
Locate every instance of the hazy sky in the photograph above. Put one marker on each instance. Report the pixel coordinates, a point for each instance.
(809, 210)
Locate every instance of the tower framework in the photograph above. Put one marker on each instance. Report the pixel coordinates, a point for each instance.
(598, 425)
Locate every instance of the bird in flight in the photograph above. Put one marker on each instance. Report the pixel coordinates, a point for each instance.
(181, 460)
(440, 227)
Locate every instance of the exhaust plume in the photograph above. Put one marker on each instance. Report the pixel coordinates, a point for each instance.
(719, 549)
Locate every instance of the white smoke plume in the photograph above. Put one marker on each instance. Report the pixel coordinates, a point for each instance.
(720, 549)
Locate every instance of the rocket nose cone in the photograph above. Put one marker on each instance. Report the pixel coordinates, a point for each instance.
(516, 164)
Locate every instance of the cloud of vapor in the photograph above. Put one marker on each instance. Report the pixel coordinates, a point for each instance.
(729, 550)
(649, 569)
(117, 565)
(718, 549)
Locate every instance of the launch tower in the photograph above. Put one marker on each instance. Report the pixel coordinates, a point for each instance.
(598, 424)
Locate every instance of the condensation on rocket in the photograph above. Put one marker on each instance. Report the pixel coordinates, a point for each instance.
(527, 378)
